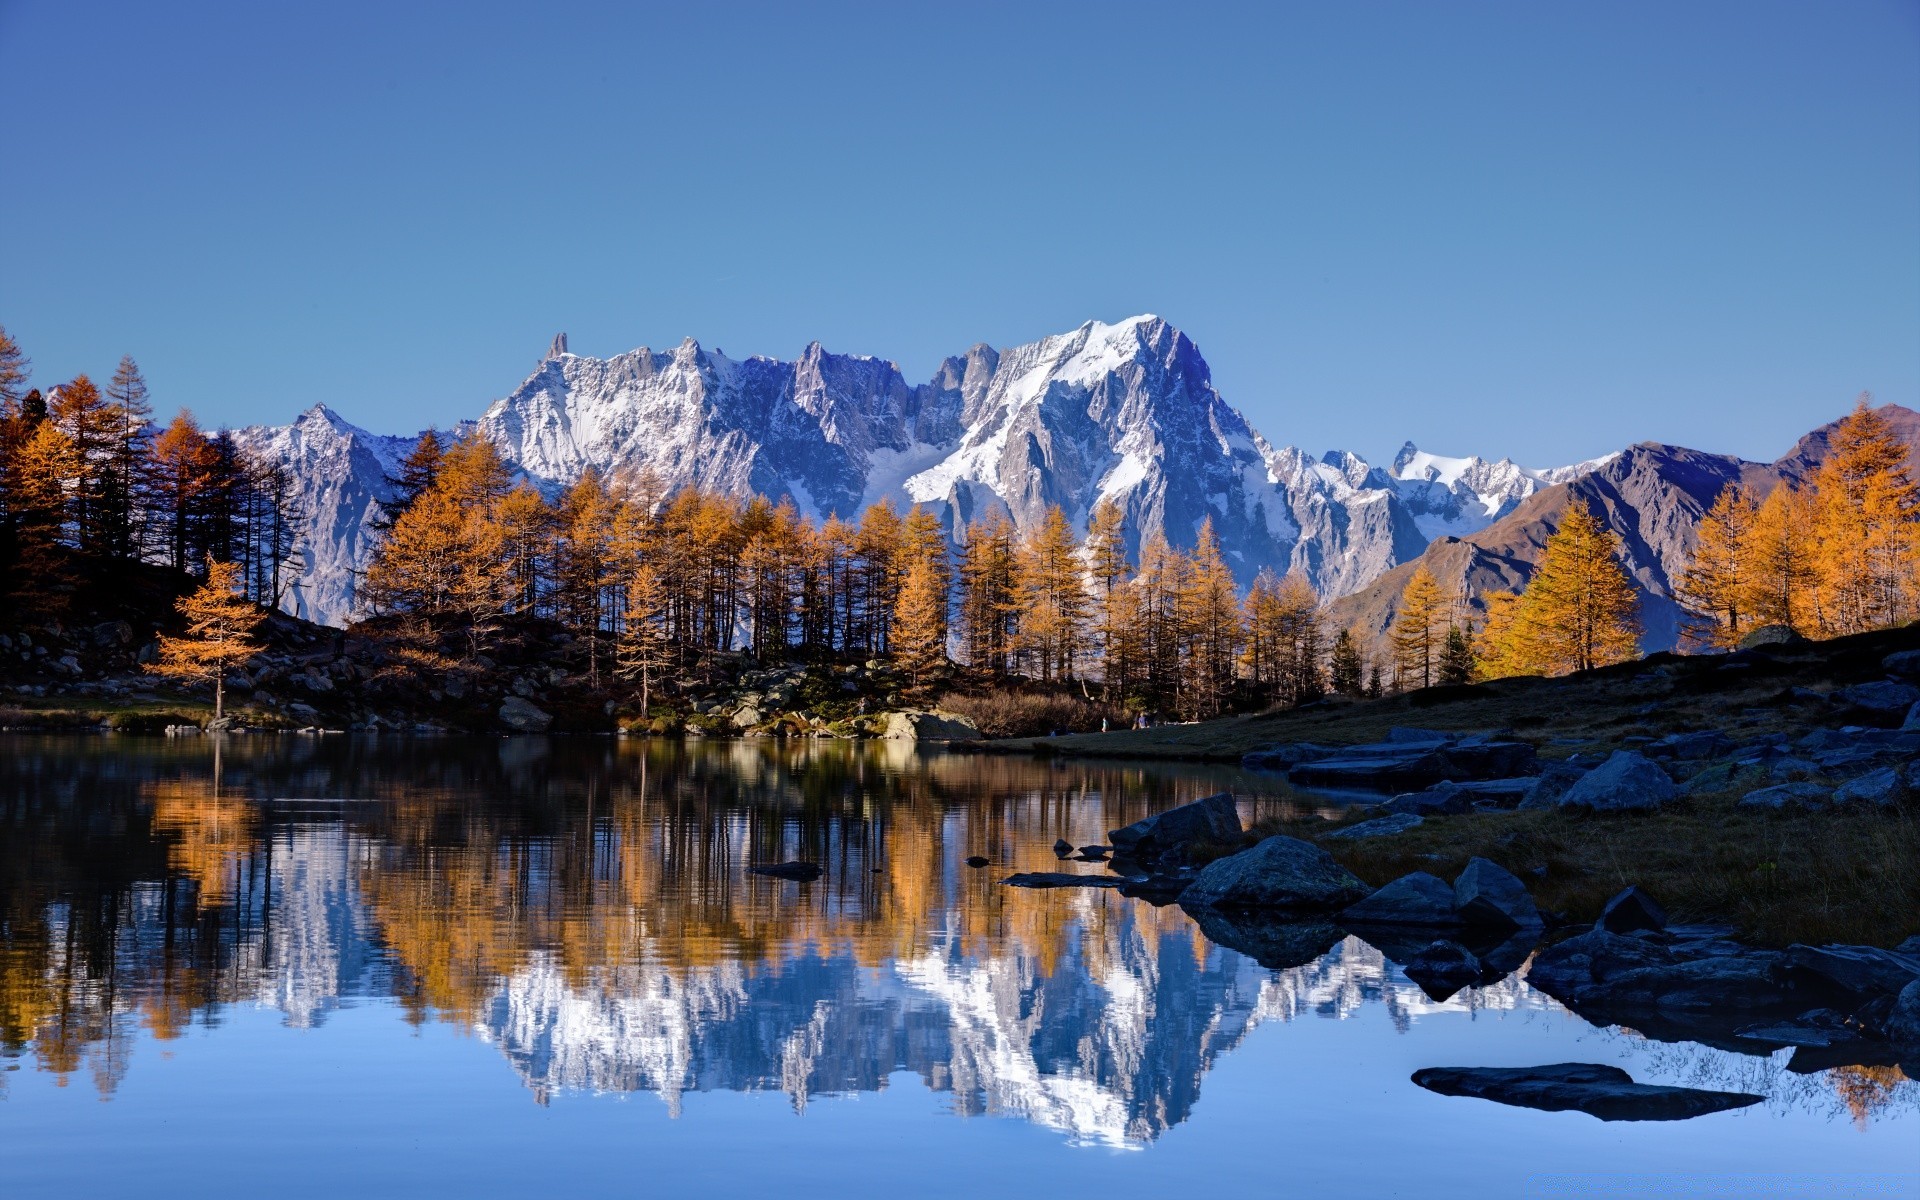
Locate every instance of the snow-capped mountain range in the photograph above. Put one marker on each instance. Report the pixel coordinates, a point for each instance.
(1126, 411)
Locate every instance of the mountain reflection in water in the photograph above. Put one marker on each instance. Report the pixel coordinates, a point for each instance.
(584, 907)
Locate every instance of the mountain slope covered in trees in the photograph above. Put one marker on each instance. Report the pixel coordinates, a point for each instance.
(1651, 495)
(1126, 412)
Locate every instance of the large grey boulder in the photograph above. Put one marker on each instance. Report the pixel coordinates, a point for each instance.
(1771, 635)
(1783, 795)
(1278, 944)
(1626, 782)
(1552, 783)
(1488, 894)
(929, 727)
(1215, 819)
(523, 716)
(1599, 1091)
(1415, 899)
(1601, 974)
(1279, 873)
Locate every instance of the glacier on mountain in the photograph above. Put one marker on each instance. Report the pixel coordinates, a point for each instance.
(1125, 412)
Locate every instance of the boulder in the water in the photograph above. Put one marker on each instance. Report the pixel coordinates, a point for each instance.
(1215, 819)
(1414, 899)
(1600, 1091)
(1443, 968)
(1279, 873)
(1060, 879)
(802, 872)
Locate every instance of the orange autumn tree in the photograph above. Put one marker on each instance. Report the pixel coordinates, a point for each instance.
(1578, 612)
(220, 625)
(1865, 508)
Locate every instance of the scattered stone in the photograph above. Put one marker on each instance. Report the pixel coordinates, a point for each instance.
(1060, 879)
(1631, 910)
(746, 717)
(1606, 973)
(1488, 894)
(1626, 782)
(976, 860)
(1819, 1028)
(1378, 827)
(523, 716)
(1882, 788)
(1553, 782)
(1062, 847)
(1413, 765)
(1793, 770)
(1095, 853)
(1599, 1091)
(1214, 819)
(1710, 743)
(1780, 795)
(1442, 799)
(1286, 756)
(801, 872)
(1279, 873)
(1414, 899)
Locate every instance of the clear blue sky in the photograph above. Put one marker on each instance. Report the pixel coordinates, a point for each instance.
(1538, 229)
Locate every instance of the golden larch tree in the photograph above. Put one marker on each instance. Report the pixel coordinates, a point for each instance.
(1864, 513)
(1419, 630)
(219, 635)
(1577, 613)
(1717, 589)
(1780, 553)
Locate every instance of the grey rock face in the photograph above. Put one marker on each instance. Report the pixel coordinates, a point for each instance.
(1488, 894)
(1126, 412)
(1445, 798)
(1904, 664)
(1863, 970)
(1771, 635)
(1626, 782)
(1415, 899)
(523, 716)
(929, 727)
(1280, 873)
(1599, 1091)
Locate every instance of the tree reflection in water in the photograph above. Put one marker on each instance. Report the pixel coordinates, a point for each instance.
(584, 906)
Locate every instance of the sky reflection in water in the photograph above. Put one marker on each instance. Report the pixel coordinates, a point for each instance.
(445, 964)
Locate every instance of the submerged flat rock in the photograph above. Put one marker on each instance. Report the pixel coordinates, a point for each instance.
(1060, 879)
(1599, 1091)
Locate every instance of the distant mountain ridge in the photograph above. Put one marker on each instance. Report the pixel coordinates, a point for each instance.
(1651, 494)
(1125, 411)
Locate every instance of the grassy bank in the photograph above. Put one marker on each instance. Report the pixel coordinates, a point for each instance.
(1742, 694)
(1835, 876)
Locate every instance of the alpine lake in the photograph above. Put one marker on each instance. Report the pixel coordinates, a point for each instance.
(357, 966)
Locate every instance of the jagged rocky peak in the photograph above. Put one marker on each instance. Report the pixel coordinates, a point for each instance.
(1123, 411)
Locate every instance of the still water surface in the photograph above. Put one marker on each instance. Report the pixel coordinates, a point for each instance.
(315, 967)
